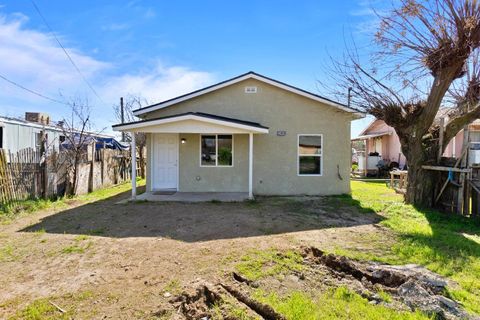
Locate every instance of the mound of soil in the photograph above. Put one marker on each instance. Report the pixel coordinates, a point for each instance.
(412, 287)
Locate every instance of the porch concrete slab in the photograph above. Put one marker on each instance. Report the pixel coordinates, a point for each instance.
(192, 197)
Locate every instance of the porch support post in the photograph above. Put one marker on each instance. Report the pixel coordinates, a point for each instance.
(134, 167)
(250, 166)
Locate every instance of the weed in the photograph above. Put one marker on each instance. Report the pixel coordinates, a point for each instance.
(231, 309)
(40, 231)
(172, 287)
(97, 232)
(7, 253)
(81, 237)
(259, 264)
(7, 213)
(385, 296)
(41, 309)
(78, 246)
(339, 303)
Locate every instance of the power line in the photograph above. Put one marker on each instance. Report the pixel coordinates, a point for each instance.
(32, 91)
(66, 52)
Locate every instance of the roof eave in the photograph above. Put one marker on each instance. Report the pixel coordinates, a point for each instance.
(249, 75)
(137, 126)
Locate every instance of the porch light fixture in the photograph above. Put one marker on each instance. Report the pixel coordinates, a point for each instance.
(183, 140)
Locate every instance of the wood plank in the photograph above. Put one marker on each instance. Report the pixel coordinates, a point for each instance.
(447, 169)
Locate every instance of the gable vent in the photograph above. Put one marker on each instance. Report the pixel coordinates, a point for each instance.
(250, 89)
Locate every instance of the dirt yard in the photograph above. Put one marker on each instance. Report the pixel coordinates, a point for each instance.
(105, 260)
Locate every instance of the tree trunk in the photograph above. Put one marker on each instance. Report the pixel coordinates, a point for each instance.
(141, 151)
(421, 183)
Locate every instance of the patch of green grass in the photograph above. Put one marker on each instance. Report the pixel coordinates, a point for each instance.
(385, 296)
(252, 202)
(339, 303)
(258, 264)
(40, 231)
(41, 309)
(26, 206)
(232, 310)
(173, 287)
(78, 246)
(81, 237)
(443, 243)
(9, 212)
(97, 232)
(7, 253)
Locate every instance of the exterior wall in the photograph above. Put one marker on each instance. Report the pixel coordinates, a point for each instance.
(17, 137)
(194, 178)
(275, 157)
(393, 147)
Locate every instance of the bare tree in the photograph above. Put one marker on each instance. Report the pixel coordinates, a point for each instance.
(425, 57)
(77, 133)
(131, 103)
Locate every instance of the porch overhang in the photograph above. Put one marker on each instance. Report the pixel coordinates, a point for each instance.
(193, 122)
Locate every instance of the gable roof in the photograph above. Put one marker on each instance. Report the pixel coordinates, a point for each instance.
(242, 77)
(198, 116)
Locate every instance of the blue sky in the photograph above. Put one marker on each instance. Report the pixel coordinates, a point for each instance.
(160, 49)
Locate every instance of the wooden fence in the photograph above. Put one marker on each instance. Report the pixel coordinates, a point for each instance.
(21, 176)
(27, 175)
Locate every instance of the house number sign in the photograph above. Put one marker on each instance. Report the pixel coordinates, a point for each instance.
(281, 133)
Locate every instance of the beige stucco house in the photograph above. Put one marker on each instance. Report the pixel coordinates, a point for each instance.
(250, 134)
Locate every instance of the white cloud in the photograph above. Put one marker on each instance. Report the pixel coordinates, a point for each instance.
(34, 59)
(367, 12)
(149, 13)
(115, 27)
(161, 83)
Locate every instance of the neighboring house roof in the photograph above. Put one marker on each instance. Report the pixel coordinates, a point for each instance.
(27, 123)
(199, 116)
(363, 132)
(100, 142)
(373, 135)
(50, 127)
(248, 75)
(442, 113)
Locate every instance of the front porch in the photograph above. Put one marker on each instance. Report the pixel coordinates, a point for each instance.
(196, 157)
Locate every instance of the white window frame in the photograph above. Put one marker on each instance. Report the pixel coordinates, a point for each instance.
(309, 155)
(216, 150)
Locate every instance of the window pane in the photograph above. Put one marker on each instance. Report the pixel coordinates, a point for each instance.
(208, 150)
(309, 165)
(310, 145)
(225, 150)
(475, 136)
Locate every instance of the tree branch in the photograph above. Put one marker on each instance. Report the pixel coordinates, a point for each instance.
(458, 123)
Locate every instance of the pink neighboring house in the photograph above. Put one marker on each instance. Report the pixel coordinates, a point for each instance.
(381, 138)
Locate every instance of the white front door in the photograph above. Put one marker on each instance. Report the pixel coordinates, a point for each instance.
(165, 161)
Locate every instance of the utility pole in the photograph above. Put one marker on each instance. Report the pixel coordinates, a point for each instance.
(349, 96)
(122, 114)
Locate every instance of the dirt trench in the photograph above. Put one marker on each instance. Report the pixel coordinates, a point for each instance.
(413, 287)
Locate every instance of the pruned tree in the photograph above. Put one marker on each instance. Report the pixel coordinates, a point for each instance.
(131, 103)
(78, 136)
(425, 57)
